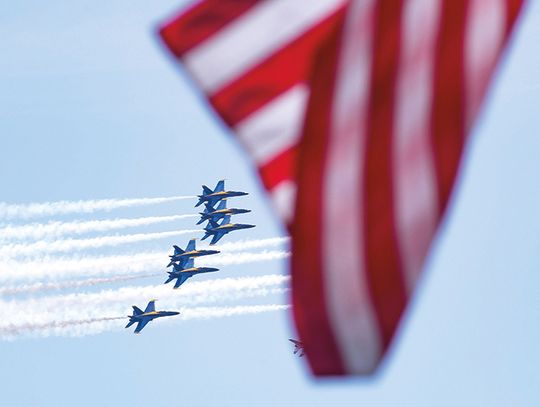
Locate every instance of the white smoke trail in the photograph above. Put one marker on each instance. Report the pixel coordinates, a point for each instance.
(90, 266)
(220, 312)
(92, 326)
(31, 210)
(249, 244)
(14, 330)
(89, 282)
(23, 313)
(228, 259)
(238, 258)
(57, 229)
(37, 249)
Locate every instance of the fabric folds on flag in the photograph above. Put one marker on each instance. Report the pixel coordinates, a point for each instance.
(356, 114)
(252, 59)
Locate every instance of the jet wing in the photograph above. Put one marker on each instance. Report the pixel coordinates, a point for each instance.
(141, 325)
(151, 307)
(181, 280)
(216, 237)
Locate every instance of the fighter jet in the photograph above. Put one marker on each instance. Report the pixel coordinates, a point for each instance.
(182, 273)
(220, 212)
(150, 313)
(182, 256)
(217, 231)
(298, 347)
(219, 193)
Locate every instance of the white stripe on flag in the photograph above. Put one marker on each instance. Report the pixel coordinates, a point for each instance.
(415, 203)
(350, 310)
(253, 37)
(283, 196)
(275, 127)
(484, 37)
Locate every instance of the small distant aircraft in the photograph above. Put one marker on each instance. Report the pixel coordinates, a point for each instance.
(183, 256)
(218, 231)
(298, 347)
(219, 193)
(182, 273)
(150, 313)
(219, 213)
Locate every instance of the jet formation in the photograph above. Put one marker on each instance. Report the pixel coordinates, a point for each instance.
(183, 260)
(298, 347)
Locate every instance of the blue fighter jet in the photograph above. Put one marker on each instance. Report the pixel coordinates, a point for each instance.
(182, 273)
(220, 212)
(218, 231)
(150, 313)
(182, 256)
(219, 193)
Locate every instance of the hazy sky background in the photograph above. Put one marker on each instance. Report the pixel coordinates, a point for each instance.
(91, 107)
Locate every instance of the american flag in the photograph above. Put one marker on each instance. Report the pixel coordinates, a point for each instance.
(356, 114)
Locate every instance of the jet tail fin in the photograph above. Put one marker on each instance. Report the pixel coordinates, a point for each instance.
(177, 250)
(208, 208)
(222, 205)
(206, 190)
(220, 186)
(226, 220)
(211, 224)
(171, 278)
(137, 310)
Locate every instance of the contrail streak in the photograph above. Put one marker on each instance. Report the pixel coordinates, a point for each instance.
(220, 312)
(250, 244)
(238, 258)
(92, 326)
(13, 330)
(86, 306)
(89, 266)
(55, 230)
(32, 210)
(40, 287)
(67, 245)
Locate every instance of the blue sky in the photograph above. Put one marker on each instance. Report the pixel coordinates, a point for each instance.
(92, 107)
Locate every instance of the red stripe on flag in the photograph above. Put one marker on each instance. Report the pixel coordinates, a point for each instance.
(279, 169)
(448, 100)
(200, 22)
(309, 303)
(279, 72)
(512, 13)
(384, 268)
